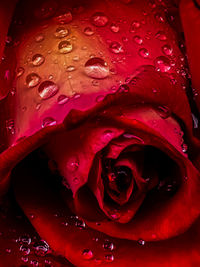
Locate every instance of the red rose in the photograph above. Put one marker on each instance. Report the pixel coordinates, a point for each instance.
(101, 145)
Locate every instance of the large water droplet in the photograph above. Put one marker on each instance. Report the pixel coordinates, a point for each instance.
(41, 248)
(96, 68)
(116, 48)
(80, 224)
(47, 89)
(87, 254)
(32, 80)
(167, 50)
(62, 99)
(73, 164)
(61, 32)
(70, 68)
(64, 18)
(65, 47)
(137, 39)
(143, 52)
(162, 64)
(48, 121)
(99, 19)
(34, 263)
(46, 10)
(38, 60)
(88, 31)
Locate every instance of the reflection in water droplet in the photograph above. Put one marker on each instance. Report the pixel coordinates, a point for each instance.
(88, 31)
(99, 19)
(38, 60)
(137, 39)
(160, 35)
(87, 254)
(61, 32)
(48, 122)
(114, 27)
(116, 48)
(62, 99)
(64, 18)
(109, 258)
(162, 64)
(47, 89)
(96, 68)
(65, 47)
(32, 80)
(19, 72)
(167, 50)
(143, 52)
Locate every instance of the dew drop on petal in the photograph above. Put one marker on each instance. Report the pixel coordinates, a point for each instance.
(48, 121)
(19, 72)
(61, 32)
(25, 250)
(41, 248)
(184, 148)
(96, 68)
(65, 47)
(167, 50)
(87, 254)
(114, 28)
(70, 68)
(116, 48)
(141, 242)
(34, 263)
(99, 19)
(62, 99)
(32, 80)
(88, 31)
(109, 258)
(64, 18)
(143, 52)
(162, 64)
(109, 246)
(160, 35)
(38, 60)
(137, 39)
(164, 112)
(47, 89)
(39, 38)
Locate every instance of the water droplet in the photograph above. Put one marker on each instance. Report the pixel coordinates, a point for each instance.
(62, 99)
(64, 18)
(76, 58)
(47, 89)
(46, 9)
(8, 250)
(19, 72)
(99, 98)
(96, 68)
(25, 250)
(124, 88)
(73, 164)
(25, 240)
(32, 80)
(99, 19)
(107, 245)
(109, 258)
(162, 64)
(10, 126)
(39, 38)
(88, 31)
(159, 17)
(141, 242)
(48, 121)
(184, 148)
(116, 48)
(134, 26)
(24, 259)
(61, 32)
(167, 50)
(160, 35)
(41, 248)
(143, 52)
(70, 68)
(38, 60)
(164, 112)
(114, 27)
(87, 254)
(65, 47)
(137, 39)
(80, 224)
(35, 263)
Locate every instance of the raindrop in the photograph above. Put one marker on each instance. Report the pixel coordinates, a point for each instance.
(62, 99)
(41, 248)
(61, 32)
(38, 60)
(65, 47)
(164, 112)
(32, 80)
(88, 31)
(141, 242)
(99, 19)
(160, 35)
(19, 72)
(159, 17)
(167, 50)
(96, 68)
(137, 39)
(109, 258)
(116, 48)
(114, 28)
(107, 245)
(47, 89)
(48, 121)
(64, 18)
(162, 64)
(143, 52)
(39, 38)
(87, 254)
